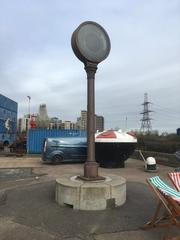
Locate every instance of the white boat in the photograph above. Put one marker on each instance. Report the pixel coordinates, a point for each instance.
(114, 147)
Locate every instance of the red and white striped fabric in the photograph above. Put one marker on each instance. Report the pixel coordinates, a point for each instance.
(112, 136)
(173, 195)
(175, 178)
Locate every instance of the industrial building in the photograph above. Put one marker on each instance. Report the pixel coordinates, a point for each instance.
(8, 120)
(23, 123)
(99, 123)
(178, 131)
(82, 121)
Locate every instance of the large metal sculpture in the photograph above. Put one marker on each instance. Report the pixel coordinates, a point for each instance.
(91, 45)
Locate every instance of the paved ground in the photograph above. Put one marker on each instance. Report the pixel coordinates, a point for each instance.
(30, 211)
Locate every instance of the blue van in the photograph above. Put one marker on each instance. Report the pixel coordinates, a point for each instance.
(67, 149)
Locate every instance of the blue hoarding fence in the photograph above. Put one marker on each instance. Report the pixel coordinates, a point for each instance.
(36, 137)
(8, 104)
(8, 119)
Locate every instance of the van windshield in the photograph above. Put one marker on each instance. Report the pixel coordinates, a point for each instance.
(68, 141)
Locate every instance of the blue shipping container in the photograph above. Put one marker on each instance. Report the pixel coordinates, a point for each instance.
(36, 137)
(8, 120)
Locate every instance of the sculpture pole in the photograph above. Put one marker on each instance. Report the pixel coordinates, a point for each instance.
(90, 167)
(91, 45)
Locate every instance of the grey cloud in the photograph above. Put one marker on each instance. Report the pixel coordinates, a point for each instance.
(36, 58)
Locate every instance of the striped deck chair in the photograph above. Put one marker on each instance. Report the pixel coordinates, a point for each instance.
(175, 179)
(169, 201)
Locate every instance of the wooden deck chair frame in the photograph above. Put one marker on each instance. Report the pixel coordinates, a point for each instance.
(171, 213)
(172, 179)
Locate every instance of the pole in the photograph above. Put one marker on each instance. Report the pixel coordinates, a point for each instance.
(29, 108)
(91, 166)
(126, 124)
(29, 99)
(142, 156)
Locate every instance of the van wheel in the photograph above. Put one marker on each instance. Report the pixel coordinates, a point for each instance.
(57, 159)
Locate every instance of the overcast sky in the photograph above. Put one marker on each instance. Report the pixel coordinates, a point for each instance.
(36, 59)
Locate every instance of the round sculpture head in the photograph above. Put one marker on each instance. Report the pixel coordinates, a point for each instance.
(90, 42)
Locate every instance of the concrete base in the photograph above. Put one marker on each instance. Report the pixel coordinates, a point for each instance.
(95, 195)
